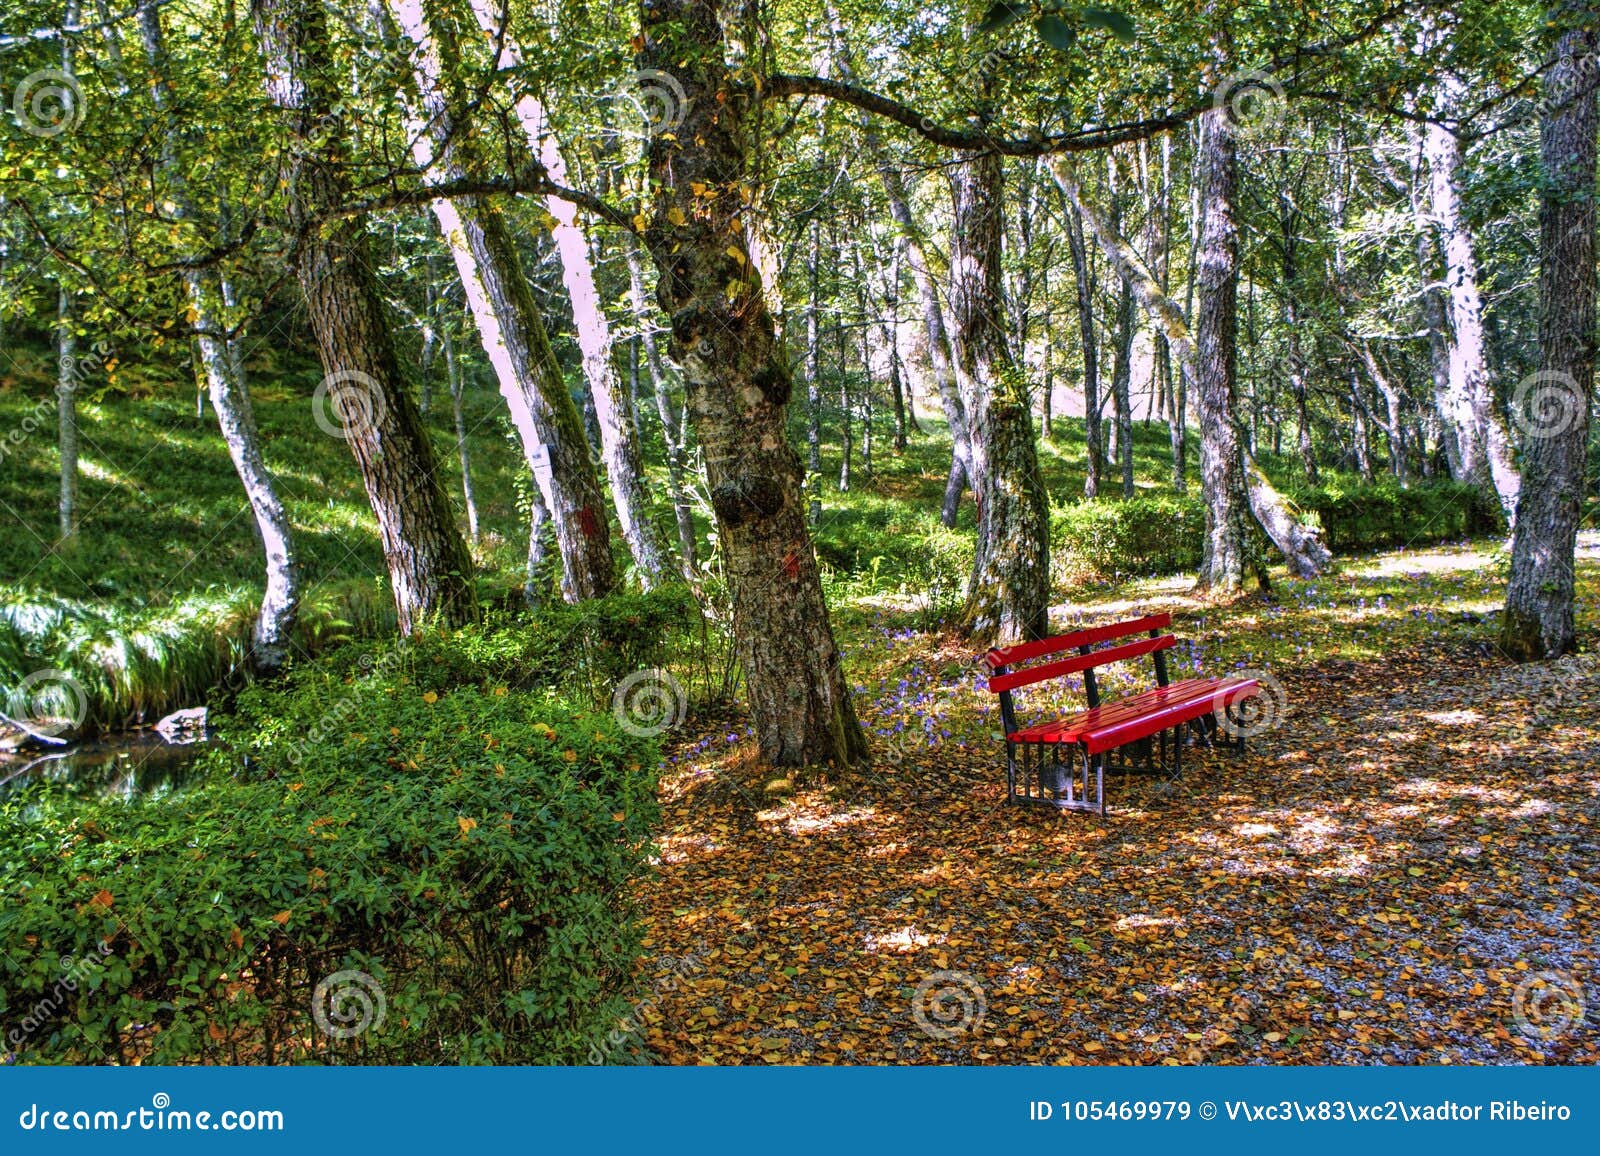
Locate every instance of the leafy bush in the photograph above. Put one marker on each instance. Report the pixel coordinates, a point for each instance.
(581, 650)
(459, 859)
(1366, 517)
(1146, 534)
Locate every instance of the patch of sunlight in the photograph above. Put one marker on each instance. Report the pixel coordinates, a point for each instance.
(812, 823)
(901, 942)
(93, 469)
(1453, 718)
(1177, 590)
(679, 848)
(1399, 811)
(1138, 921)
(1255, 830)
(1437, 789)
(1398, 565)
(1532, 809)
(1314, 834)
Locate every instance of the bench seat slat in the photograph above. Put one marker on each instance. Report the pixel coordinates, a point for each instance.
(1127, 720)
(1071, 727)
(1065, 666)
(1026, 651)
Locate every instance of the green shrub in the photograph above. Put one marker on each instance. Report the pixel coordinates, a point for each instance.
(1366, 517)
(1143, 535)
(461, 858)
(582, 650)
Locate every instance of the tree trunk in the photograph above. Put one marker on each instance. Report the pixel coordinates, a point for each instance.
(1538, 620)
(1094, 464)
(1361, 436)
(1394, 427)
(469, 493)
(1228, 549)
(738, 384)
(672, 431)
(541, 545)
(67, 371)
(1491, 460)
(1288, 229)
(888, 326)
(509, 326)
(1122, 385)
(205, 290)
(614, 415)
(1455, 436)
(813, 372)
(429, 567)
(67, 416)
(1009, 594)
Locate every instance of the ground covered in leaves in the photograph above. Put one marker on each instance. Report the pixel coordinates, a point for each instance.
(1402, 870)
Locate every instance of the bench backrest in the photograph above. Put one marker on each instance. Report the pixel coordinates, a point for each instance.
(1002, 660)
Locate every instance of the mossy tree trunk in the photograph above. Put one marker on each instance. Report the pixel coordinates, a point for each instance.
(738, 384)
(1538, 620)
(429, 568)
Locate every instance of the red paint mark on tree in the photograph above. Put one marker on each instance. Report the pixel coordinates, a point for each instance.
(588, 524)
(791, 564)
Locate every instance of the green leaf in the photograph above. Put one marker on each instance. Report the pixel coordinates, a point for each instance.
(1056, 32)
(1001, 15)
(1113, 22)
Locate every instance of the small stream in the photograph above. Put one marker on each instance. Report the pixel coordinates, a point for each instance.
(126, 766)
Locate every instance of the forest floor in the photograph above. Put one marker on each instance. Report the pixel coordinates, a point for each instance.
(1400, 872)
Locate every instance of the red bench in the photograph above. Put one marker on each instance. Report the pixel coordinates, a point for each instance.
(1051, 763)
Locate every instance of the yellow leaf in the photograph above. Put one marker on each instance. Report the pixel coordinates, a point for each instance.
(281, 918)
(465, 823)
(236, 937)
(102, 898)
(430, 697)
(570, 755)
(675, 215)
(736, 253)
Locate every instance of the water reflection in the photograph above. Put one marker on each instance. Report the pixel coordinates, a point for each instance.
(124, 766)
